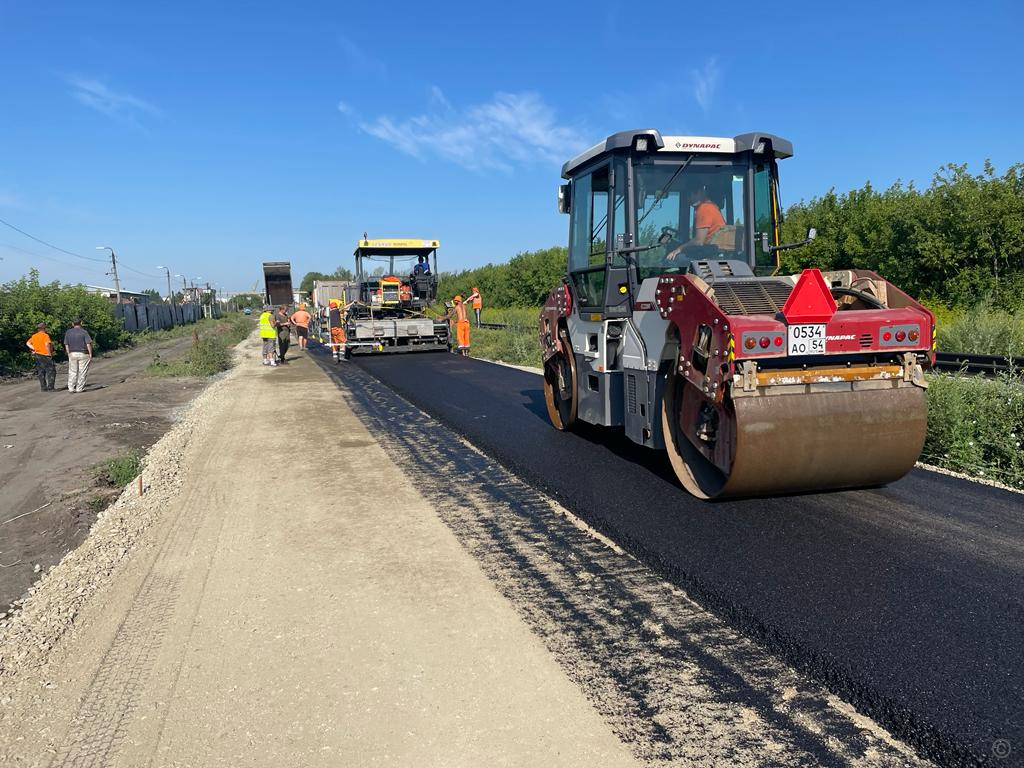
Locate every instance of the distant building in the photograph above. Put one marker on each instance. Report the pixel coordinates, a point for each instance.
(127, 297)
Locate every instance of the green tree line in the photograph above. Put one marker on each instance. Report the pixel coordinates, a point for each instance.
(523, 281)
(24, 303)
(957, 243)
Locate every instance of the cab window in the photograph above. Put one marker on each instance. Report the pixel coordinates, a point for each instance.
(591, 233)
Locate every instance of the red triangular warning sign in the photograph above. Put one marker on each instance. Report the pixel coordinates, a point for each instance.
(811, 301)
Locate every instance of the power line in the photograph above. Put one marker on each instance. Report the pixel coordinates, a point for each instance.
(35, 255)
(50, 245)
(137, 272)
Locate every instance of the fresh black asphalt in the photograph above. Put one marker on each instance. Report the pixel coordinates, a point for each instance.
(907, 601)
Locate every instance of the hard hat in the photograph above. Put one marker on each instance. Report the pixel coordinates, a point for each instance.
(334, 303)
(302, 306)
(457, 298)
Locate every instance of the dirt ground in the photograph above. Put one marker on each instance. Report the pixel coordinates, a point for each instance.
(50, 443)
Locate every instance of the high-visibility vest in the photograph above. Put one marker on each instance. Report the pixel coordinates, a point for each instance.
(267, 327)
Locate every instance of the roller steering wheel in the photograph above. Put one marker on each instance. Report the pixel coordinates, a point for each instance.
(668, 234)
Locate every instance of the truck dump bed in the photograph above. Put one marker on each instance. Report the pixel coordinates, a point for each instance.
(277, 276)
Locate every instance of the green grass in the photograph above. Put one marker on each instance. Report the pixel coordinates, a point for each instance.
(981, 331)
(120, 470)
(516, 344)
(210, 353)
(976, 426)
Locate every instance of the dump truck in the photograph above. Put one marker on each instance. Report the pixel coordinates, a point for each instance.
(277, 276)
(674, 324)
(396, 282)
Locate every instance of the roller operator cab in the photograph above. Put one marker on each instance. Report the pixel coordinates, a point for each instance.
(396, 281)
(673, 324)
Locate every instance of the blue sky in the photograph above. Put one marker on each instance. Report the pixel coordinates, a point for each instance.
(210, 137)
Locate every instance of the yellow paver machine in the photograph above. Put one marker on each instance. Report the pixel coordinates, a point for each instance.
(396, 280)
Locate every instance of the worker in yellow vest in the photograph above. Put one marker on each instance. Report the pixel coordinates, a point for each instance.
(268, 333)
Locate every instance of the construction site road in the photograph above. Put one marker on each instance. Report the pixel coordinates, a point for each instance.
(904, 600)
(328, 576)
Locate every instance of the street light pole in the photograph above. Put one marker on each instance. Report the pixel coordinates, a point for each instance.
(169, 293)
(113, 268)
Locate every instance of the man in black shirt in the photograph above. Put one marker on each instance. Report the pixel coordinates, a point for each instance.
(78, 345)
(284, 331)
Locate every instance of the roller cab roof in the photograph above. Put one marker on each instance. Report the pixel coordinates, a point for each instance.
(650, 140)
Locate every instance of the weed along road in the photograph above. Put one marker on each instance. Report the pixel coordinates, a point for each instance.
(904, 600)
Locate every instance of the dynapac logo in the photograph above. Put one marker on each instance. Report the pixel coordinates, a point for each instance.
(843, 337)
(692, 145)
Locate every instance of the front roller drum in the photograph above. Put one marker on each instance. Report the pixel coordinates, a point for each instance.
(802, 442)
(560, 394)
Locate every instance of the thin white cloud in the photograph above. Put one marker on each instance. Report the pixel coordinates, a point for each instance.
(511, 129)
(705, 82)
(437, 97)
(359, 60)
(99, 96)
(344, 108)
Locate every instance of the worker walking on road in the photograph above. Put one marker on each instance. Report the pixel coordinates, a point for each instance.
(42, 351)
(300, 319)
(269, 336)
(478, 304)
(461, 326)
(283, 324)
(78, 345)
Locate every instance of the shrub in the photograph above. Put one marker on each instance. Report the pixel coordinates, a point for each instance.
(24, 303)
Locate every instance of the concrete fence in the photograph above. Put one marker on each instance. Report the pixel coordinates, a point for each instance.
(155, 317)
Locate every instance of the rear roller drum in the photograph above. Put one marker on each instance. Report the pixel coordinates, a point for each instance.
(560, 385)
(794, 442)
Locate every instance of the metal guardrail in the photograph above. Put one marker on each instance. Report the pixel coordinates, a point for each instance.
(988, 365)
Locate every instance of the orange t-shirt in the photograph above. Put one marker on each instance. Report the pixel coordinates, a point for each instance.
(478, 302)
(707, 216)
(38, 342)
(301, 318)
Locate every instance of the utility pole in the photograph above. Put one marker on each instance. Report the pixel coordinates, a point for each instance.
(113, 269)
(170, 295)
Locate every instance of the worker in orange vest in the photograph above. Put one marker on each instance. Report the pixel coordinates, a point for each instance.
(336, 324)
(461, 326)
(41, 346)
(478, 304)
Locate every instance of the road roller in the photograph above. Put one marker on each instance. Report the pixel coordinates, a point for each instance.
(674, 323)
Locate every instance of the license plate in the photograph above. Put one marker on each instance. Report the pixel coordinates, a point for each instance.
(807, 339)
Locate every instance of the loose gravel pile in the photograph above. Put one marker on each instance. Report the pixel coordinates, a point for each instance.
(49, 609)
